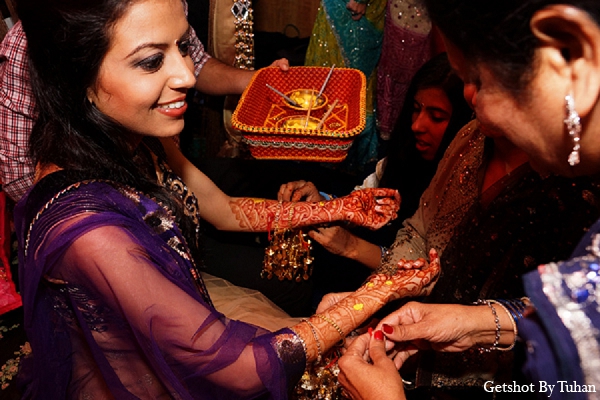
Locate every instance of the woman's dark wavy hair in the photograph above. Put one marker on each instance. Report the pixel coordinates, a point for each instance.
(406, 170)
(67, 41)
(497, 33)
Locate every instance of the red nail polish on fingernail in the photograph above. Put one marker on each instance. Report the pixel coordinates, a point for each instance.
(378, 335)
(387, 329)
(370, 330)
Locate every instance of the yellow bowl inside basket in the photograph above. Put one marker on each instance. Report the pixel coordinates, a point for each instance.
(304, 96)
(298, 122)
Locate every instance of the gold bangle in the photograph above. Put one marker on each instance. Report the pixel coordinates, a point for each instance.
(277, 215)
(514, 325)
(291, 214)
(332, 323)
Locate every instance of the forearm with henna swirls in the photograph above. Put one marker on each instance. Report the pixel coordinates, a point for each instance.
(261, 215)
(347, 314)
(351, 311)
(372, 208)
(254, 214)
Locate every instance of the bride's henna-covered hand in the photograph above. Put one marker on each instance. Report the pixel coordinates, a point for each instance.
(414, 278)
(371, 208)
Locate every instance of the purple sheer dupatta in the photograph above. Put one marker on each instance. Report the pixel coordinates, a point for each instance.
(113, 311)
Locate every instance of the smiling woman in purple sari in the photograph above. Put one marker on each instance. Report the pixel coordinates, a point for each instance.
(114, 304)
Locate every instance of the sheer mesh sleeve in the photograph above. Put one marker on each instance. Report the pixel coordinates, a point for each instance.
(125, 313)
(409, 244)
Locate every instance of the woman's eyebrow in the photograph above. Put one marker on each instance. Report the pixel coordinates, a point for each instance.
(187, 33)
(143, 46)
(160, 46)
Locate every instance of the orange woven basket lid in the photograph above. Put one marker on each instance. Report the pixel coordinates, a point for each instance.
(260, 110)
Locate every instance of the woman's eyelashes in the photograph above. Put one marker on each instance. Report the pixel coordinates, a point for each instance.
(184, 47)
(152, 63)
(438, 116)
(434, 115)
(416, 108)
(438, 119)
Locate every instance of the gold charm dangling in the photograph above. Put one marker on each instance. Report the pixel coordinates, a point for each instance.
(320, 379)
(288, 256)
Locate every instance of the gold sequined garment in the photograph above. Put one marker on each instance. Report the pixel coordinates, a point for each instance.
(452, 191)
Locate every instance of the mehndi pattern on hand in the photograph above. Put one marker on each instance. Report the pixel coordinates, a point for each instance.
(413, 277)
(371, 208)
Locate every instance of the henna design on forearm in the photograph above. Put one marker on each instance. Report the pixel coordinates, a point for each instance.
(351, 311)
(355, 309)
(262, 215)
(254, 214)
(360, 207)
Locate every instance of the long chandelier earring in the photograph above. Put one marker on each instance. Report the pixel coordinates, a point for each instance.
(573, 125)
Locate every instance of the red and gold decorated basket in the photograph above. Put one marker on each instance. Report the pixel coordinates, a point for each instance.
(260, 113)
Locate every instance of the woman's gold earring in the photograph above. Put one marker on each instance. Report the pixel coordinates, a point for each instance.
(573, 125)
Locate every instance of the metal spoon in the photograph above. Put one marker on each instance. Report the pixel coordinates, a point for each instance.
(326, 80)
(288, 99)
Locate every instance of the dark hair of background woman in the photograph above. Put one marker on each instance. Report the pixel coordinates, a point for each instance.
(406, 170)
